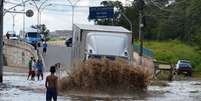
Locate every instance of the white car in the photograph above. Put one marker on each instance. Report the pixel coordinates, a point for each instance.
(12, 35)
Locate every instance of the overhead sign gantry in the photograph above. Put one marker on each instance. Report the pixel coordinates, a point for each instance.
(101, 12)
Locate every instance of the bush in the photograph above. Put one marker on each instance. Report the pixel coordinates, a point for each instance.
(105, 76)
(173, 50)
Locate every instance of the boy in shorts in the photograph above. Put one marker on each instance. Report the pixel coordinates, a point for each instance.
(51, 85)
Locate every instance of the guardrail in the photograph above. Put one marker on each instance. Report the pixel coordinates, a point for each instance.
(146, 52)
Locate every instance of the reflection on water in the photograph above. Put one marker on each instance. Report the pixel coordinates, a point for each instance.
(17, 88)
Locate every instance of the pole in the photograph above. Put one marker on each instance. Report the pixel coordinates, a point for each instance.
(13, 22)
(41, 10)
(1, 40)
(23, 34)
(38, 16)
(73, 9)
(141, 37)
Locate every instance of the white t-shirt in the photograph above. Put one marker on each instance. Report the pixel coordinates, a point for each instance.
(33, 65)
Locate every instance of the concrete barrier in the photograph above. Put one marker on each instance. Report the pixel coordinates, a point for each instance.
(18, 53)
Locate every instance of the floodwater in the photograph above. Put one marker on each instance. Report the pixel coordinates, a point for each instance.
(17, 88)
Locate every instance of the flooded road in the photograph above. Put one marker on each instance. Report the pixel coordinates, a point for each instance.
(17, 88)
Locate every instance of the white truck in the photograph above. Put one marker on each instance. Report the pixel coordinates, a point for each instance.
(98, 41)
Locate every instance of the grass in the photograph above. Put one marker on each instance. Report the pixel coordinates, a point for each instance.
(105, 76)
(173, 50)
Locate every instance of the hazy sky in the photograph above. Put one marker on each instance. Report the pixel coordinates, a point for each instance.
(56, 17)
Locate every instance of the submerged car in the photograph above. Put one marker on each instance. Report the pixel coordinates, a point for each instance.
(184, 66)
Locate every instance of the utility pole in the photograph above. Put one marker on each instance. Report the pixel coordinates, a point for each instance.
(140, 5)
(73, 10)
(13, 15)
(141, 37)
(1, 40)
(23, 18)
(38, 7)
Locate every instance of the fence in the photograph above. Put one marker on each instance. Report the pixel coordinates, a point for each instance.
(146, 52)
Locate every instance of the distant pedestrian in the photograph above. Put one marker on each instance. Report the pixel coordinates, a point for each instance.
(45, 47)
(51, 85)
(39, 66)
(7, 35)
(33, 69)
(30, 68)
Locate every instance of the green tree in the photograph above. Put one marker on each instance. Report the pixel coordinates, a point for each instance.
(118, 8)
(42, 29)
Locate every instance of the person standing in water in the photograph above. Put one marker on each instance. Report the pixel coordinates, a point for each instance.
(39, 66)
(51, 85)
(30, 68)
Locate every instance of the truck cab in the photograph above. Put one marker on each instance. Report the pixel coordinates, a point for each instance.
(99, 42)
(33, 38)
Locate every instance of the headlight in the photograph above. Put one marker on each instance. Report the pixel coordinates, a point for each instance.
(91, 51)
(126, 53)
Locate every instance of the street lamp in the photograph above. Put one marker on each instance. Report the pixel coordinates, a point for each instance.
(42, 11)
(23, 18)
(38, 7)
(73, 8)
(13, 15)
(140, 6)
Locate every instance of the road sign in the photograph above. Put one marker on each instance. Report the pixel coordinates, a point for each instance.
(101, 12)
(29, 13)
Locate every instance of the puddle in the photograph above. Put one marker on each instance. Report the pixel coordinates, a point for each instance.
(17, 88)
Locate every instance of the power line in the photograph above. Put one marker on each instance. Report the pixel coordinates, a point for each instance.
(55, 4)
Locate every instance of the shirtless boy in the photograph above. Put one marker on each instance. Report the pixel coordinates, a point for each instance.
(51, 85)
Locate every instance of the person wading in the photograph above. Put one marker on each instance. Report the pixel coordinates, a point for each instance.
(51, 85)
(39, 66)
(30, 68)
(33, 69)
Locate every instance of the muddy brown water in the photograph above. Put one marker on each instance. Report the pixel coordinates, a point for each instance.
(17, 88)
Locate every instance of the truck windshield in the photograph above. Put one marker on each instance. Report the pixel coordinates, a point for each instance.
(33, 34)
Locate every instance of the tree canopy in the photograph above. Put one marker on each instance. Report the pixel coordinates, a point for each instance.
(163, 19)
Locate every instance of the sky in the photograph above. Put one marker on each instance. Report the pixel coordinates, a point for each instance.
(58, 16)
